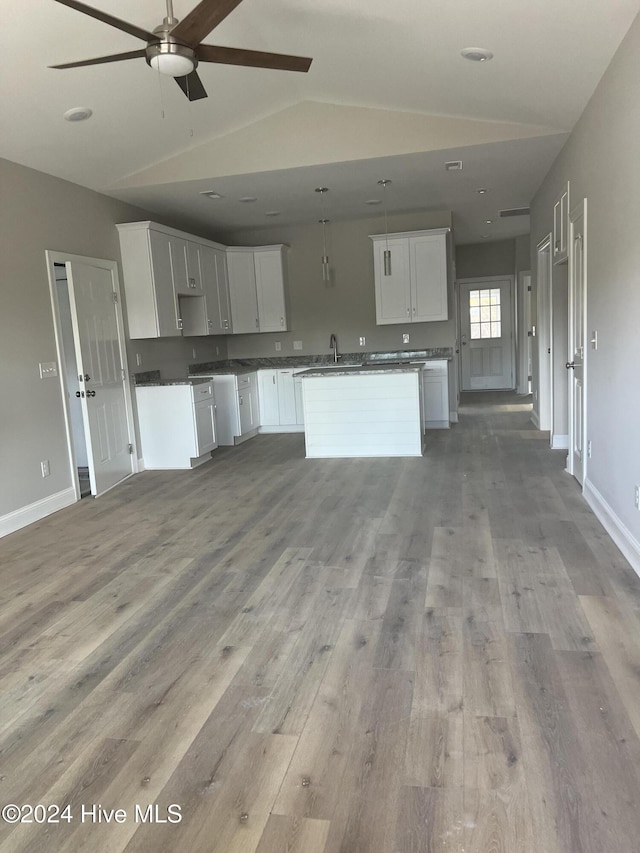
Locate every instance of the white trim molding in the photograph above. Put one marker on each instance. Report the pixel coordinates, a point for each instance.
(559, 442)
(26, 515)
(453, 417)
(615, 527)
(535, 420)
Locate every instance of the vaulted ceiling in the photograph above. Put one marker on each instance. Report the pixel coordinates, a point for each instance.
(387, 96)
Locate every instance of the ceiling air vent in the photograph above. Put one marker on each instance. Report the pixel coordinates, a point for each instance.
(453, 166)
(514, 211)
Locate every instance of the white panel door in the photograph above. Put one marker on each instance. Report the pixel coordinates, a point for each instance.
(95, 328)
(575, 366)
(486, 340)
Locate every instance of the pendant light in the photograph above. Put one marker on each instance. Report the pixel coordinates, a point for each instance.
(326, 272)
(387, 252)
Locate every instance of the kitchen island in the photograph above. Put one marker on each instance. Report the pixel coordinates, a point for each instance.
(364, 410)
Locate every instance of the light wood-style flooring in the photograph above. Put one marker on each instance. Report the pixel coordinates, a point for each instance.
(437, 655)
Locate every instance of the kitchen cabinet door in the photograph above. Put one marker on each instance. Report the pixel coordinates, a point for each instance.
(268, 398)
(270, 289)
(242, 292)
(428, 260)
(205, 427)
(297, 387)
(286, 398)
(436, 395)
(393, 292)
(216, 290)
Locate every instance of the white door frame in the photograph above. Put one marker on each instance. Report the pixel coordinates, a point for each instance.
(523, 331)
(53, 258)
(480, 280)
(544, 279)
(580, 210)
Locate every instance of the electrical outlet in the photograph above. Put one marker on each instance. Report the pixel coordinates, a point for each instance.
(594, 339)
(405, 337)
(363, 340)
(589, 449)
(637, 497)
(44, 467)
(297, 344)
(48, 369)
(139, 359)
(278, 346)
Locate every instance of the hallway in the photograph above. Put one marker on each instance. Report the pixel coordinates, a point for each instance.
(436, 655)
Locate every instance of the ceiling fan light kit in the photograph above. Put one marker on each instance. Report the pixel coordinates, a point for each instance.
(175, 48)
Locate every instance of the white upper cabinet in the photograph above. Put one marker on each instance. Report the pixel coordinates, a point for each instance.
(215, 284)
(176, 284)
(256, 289)
(270, 289)
(416, 291)
(242, 291)
(152, 307)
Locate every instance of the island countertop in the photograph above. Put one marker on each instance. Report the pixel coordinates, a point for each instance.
(360, 369)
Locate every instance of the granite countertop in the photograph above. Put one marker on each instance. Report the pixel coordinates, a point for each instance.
(349, 359)
(361, 369)
(151, 379)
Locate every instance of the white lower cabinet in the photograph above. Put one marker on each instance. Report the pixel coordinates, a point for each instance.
(435, 384)
(177, 424)
(238, 416)
(280, 401)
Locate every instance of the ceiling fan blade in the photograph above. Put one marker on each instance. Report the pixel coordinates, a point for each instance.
(192, 86)
(255, 58)
(115, 57)
(125, 26)
(202, 19)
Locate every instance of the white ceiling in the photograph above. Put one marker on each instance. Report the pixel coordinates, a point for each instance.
(402, 57)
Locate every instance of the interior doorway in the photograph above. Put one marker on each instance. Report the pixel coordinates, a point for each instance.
(543, 340)
(524, 333)
(487, 352)
(90, 341)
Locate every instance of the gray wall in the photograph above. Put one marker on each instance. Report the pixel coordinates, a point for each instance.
(40, 212)
(477, 260)
(600, 159)
(345, 306)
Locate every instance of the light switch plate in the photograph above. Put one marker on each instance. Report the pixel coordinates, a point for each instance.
(405, 338)
(278, 346)
(297, 344)
(48, 369)
(363, 340)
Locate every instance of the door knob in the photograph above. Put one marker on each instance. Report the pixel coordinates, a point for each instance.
(91, 393)
(570, 364)
(78, 394)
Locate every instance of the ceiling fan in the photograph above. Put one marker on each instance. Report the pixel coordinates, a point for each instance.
(174, 47)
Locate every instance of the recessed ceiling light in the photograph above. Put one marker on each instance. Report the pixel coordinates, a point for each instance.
(272, 213)
(453, 166)
(488, 222)
(78, 114)
(373, 201)
(484, 235)
(211, 194)
(482, 190)
(247, 199)
(476, 54)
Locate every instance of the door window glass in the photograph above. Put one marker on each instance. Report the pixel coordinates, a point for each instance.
(484, 313)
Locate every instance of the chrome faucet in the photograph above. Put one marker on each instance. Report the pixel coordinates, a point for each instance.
(333, 344)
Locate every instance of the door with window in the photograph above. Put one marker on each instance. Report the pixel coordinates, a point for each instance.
(486, 334)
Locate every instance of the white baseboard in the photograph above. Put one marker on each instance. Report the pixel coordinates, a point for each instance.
(274, 428)
(20, 518)
(140, 464)
(615, 527)
(535, 420)
(453, 417)
(559, 442)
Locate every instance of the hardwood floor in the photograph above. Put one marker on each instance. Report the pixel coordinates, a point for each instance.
(437, 655)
